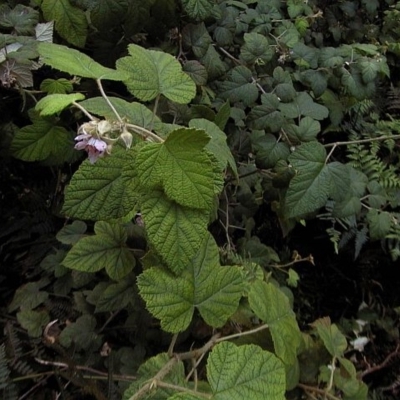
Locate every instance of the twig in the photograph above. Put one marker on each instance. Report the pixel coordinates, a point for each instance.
(145, 133)
(383, 364)
(90, 116)
(111, 317)
(379, 138)
(317, 390)
(84, 368)
(240, 334)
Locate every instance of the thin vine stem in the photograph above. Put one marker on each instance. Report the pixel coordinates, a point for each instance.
(87, 113)
(99, 84)
(376, 139)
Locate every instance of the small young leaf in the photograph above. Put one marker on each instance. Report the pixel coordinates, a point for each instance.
(214, 290)
(33, 321)
(272, 306)
(223, 115)
(55, 103)
(245, 372)
(70, 21)
(106, 249)
(151, 73)
(76, 63)
(334, 341)
(175, 232)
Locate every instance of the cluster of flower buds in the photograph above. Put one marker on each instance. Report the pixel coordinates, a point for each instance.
(98, 137)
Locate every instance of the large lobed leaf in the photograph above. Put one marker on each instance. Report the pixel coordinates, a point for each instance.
(245, 372)
(76, 63)
(41, 140)
(102, 191)
(151, 73)
(182, 167)
(70, 21)
(54, 103)
(272, 307)
(106, 249)
(214, 290)
(175, 232)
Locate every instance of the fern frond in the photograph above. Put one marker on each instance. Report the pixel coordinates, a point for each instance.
(4, 370)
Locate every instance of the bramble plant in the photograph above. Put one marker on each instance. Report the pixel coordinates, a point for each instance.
(247, 103)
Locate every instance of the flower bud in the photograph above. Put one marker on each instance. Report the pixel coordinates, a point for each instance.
(126, 138)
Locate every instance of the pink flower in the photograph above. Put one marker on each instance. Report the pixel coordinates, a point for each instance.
(94, 147)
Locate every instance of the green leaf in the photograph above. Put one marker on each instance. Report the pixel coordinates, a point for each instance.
(197, 38)
(29, 296)
(176, 376)
(239, 86)
(102, 191)
(151, 73)
(379, 223)
(70, 21)
(41, 140)
(55, 103)
(106, 14)
(304, 56)
(196, 71)
(53, 86)
(334, 341)
(217, 145)
(106, 249)
(76, 63)
(339, 180)
(44, 31)
(285, 92)
(133, 113)
(307, 130)
(198, 9)
(175, 232)
(269, 151)
(214, 290)
(267, 115)
(33, 321)
(20, 19)
(223, 115)
(309, 189)
(256, 49)
(181, 166)
(304, 105)
(71, 233)
(116, 296)
(245, 372)
(272, 307)
(82, 333)
(318, 80)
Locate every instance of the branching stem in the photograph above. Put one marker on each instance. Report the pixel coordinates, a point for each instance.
(90, 116)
